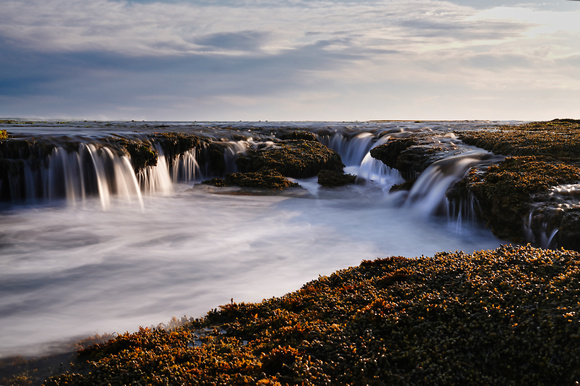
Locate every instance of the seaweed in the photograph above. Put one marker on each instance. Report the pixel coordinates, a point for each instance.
(506, 316)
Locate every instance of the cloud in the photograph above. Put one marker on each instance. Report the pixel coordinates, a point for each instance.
(237, 58)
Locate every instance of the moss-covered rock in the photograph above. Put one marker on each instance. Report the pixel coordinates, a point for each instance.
(332, 178)
(514, 196)
(505, 191)
(173, 144)
(297, 134)
(410, 155)
(502, 317)
(554, 140)
(16, 155)
(264, 179)
(292, 158)
(142, 153)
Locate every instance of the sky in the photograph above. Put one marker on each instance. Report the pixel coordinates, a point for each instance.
(337, 60)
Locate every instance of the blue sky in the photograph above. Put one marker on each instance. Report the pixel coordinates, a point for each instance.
(289, 59)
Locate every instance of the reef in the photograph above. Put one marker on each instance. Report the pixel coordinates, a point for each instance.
(292, 158)
(265, 179)
(333, 178)
(501, 317)
(522, 198)
(411, 155)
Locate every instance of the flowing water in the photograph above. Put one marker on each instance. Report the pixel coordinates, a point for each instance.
(158, 244)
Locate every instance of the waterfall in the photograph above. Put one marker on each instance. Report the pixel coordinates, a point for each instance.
(75, 175)
(232, 151)
(352, 150)
(428, 193)
(372, 169)
(545, 219)
(185, 167)
(156, 179)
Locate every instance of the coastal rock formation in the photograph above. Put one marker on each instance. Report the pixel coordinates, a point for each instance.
(410, 155)
(332, 178)
(292, 158)
(507, 316)
(263, 179)
(532, 195)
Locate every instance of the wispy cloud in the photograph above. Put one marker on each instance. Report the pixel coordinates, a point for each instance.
(287, 59)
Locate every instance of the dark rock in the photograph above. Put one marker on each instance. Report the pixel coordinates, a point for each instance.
(505, 191)
(293, 158)
(142, 153)
(266, 179)
(298, 134)
(173, 144)
(407, 185)
(410, 156)
(332, 178)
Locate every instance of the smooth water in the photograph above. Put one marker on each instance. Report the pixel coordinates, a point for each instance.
(69, 271)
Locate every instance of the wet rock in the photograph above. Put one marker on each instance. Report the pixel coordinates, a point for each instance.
(410, 155)
(505, 191)
(142, 153)
(499, 317)
(266, 179)
(17, 155)
(292, 158)
(297, 134)
(173, 144)
(515, 197)
(332, 178)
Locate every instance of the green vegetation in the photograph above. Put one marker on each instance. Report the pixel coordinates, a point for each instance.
(508, 316)
(3, 134)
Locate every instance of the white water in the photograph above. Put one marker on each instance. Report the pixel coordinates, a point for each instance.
(69, 271)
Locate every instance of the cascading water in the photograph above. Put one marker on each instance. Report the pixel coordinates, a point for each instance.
(555, 210)
(352, 150)
(74, 270)
(156, 179)
(185, 167)
(355, 153)
(74, 175)
(428, 193)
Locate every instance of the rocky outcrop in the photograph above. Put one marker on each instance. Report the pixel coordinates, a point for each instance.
(410, 155)
(265, 179)
(524, 198)
(292, 158)
(333, 178)
(507, 192)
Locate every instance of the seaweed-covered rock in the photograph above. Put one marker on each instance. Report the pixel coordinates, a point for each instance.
(297, 134)
(554, 140)
(515, 197)
(554, 219)
(17, 155)
(508, 316)
(505, 191)
(142, 153)
(332, 178)
(265, 179)
(173, 144)
(410, 155)
(292, 158)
